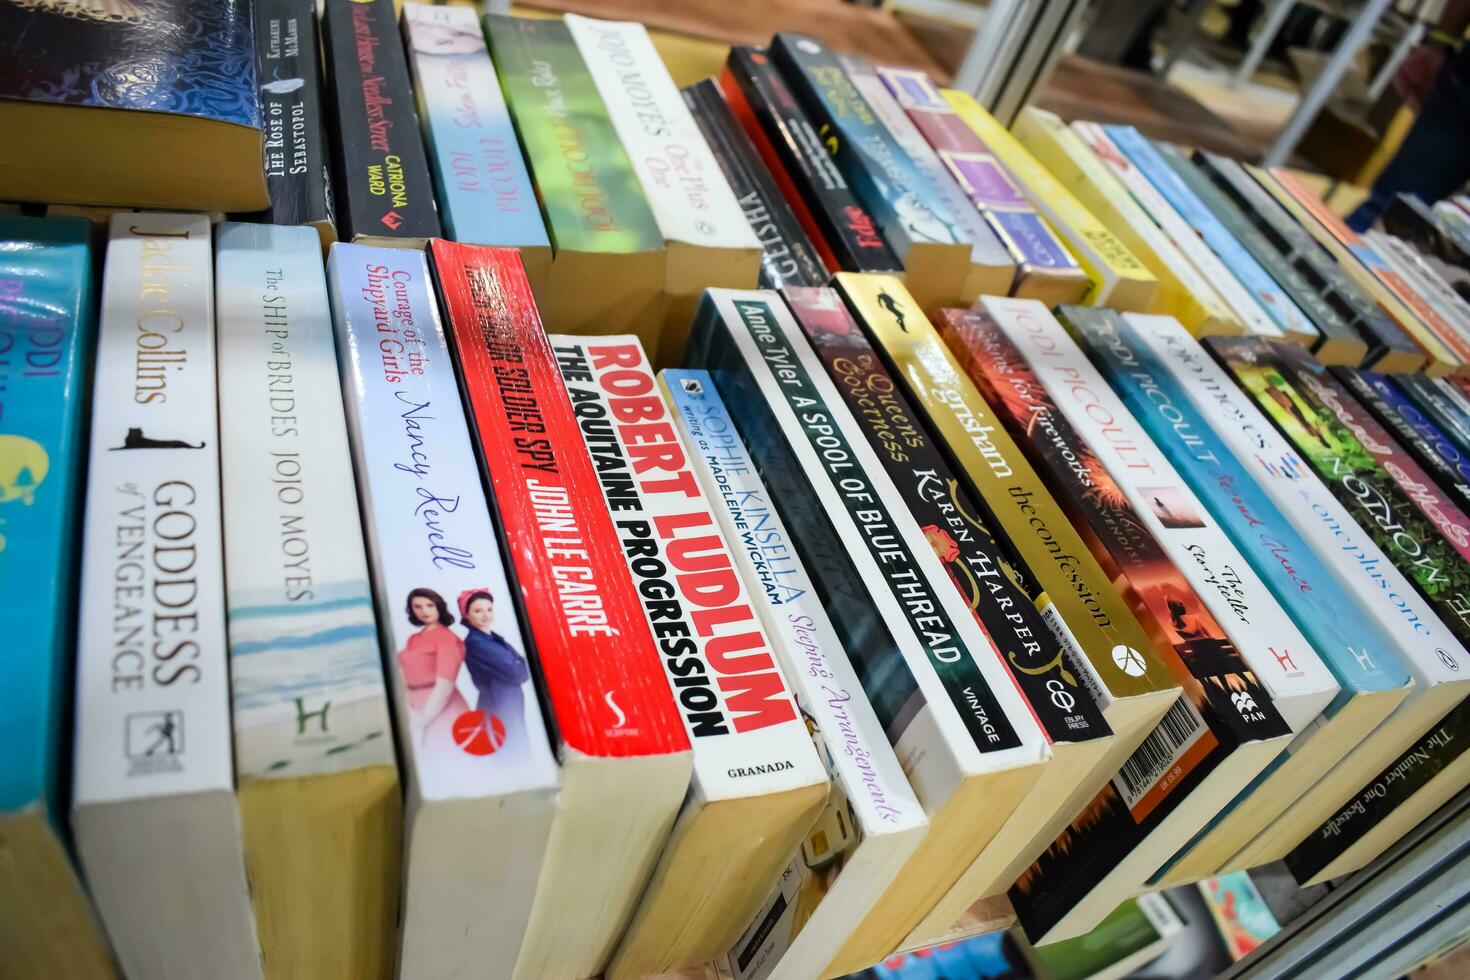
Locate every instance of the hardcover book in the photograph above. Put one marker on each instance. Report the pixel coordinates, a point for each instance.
(758, 784)
(959, 527)
(707, 240)
(788, 257)
(872, 821)
(607, 266)
(1292, 558)
(153, 811)
(609, 699)
(1117, 277)
(1183, 291)
(1198, 760)
(1302, 401)
(481, 778)
(381, 187)
(1429, 653)
(314, 762)
(911, 217)
(1045, 269)
(48, 329)
(1077, 601)
(969, 746)
(1249, 313)
(1411, 428)
(149, 105)
(297, 167)
(1365, 267)
(844, 232)
(484, 191)
(991, 268)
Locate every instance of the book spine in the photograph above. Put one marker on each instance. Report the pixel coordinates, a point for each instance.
(1434, 403)
(152, 716)
(47, 332)
(788, 257)
(485, 193)
(1411, 219)
(681, 179)
(876, 167)
(382, 187)
(1075, 597)
(1115, 272)
(1418, 272)
(1414, 430)
(1180, 232)
(1354, 477)
(1032, 244)
(575, 589)
(431, 539)
(842, 229)
(287, 59)
(590, 195)
(956, 525)
(301, 627)
(730, 690)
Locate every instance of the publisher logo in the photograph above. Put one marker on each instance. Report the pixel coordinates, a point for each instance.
(1247, 706)
(393, 220)
(692, 386)
(477, 733)
(1129, 660)
(154, 742)
(1448, 659)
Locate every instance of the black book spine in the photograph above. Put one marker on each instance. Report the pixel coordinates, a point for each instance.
(1435, 451)
(815, 188)
(1409, 218)
(382, 178)
(288, 62)
(788, 257)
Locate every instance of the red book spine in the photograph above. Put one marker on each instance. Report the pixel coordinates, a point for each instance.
(603, 676)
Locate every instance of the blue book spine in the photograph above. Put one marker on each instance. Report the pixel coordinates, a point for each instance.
(47, 332)
(1421, 425)
(484, 191)
(1149, 162)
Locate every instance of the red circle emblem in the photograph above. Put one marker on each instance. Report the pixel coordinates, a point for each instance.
(477, 733)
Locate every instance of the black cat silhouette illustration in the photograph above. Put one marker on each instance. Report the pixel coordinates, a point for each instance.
(137, 440)
(891, 305)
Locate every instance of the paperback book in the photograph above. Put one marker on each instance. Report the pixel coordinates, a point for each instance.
(607, 695)
(1413, 221)
(1117, 278)
(297, 164)
(154, 814)
(843, 230)
(1045, 270)
(971, 749)
(707, 241)
(381, 189)
(911, 217)
(48, 331)
(607, 267)
(1411, 428)
(314, 762)
(1404, 259)
(1195, 763)
(481, 779)
(1292, 558)
(1435, 402)
(788, 257)
(1430, 654)
(872, 821)
(958, 527)
(484, 190)
(758, 784)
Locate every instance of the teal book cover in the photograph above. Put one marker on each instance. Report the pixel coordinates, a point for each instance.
(47, 328)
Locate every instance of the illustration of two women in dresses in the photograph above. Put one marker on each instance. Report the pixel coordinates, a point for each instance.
(430, 663)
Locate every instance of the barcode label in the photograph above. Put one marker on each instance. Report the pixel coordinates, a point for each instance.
(1153, 759)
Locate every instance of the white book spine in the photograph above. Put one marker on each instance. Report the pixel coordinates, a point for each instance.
(684, 185)
(1272, 645)
(152, 710)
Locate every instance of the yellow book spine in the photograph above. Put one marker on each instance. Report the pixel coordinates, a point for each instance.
(1183, 292)
(1119, 279)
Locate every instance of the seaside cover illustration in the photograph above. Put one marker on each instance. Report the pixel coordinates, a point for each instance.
(469, 718)
(306, 674)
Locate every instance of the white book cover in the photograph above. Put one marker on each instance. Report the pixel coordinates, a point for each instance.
(152, 708)
(1184, 237)
(1276, 650)
(478, 762)
(682, 180)
(872, 821)
(306, 674)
